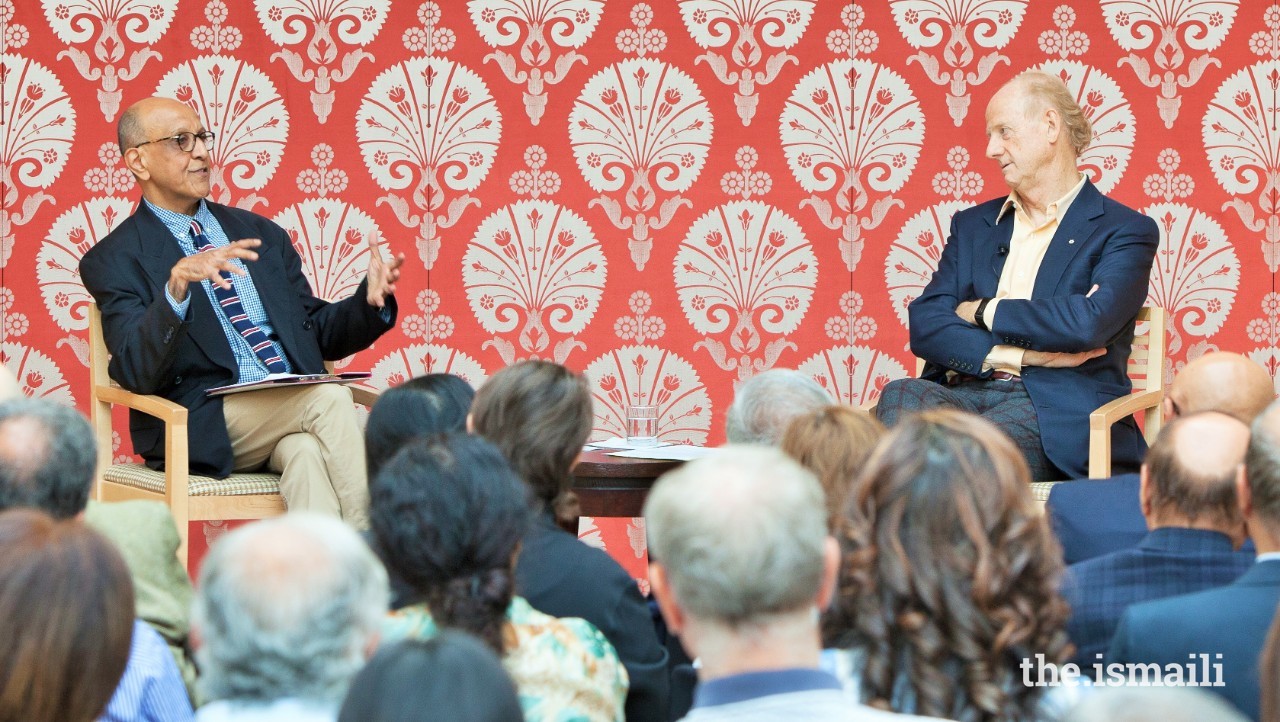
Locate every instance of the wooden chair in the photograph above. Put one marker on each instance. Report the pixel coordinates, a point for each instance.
(1146, 371)
(190, 497)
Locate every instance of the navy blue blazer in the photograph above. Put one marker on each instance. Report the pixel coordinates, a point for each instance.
(1168, 562)
(1099, 242)
(1096, 516)
(155, 352)
(1231, 621)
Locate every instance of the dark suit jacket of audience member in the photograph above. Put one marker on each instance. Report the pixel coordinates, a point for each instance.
(561, 576)
(1231, 621)
(1168, 562)
(1092, 517)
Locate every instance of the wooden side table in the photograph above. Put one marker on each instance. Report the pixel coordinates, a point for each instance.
(615, 485)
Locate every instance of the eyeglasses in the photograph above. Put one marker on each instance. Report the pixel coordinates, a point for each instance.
(186, 142)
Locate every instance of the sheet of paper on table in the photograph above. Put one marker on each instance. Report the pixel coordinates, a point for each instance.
(673, 452)
(617, 442)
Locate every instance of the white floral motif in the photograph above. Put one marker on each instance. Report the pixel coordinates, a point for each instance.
(540, 261)
(851, 128)
(217, 36)
(958, 182)
(640, 326)
(747, 265)
(746, 181)
(116, 24)
(35, 141)
(646, 121)
(649, 375)
(852, 39)
(12, 35)
(852, 374)
(1196, 273)
(913, 255)
(1168, 184)
(58, 262)
(1098, 95)
(776, 25)
(431, 325)
(1064, 42)
(988, 25)
(642, 40)
(540, 27)
(1201, 26)
(435, 121)
(38, 375)
(535, 182)
(1266, 43)
(111, 177)
(322, 180)
(1243, 145)
(325, 27)
(850, 326)
(407, 362)
(332, 237)
(250, 117)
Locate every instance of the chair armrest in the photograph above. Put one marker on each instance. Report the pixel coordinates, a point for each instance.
(364, 395)
(1104, 417)
(161, 408)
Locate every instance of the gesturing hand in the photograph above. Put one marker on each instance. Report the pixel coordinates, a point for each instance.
(210, 265)
(382, 275)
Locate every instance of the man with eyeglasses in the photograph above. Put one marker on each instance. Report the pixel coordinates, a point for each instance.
(194, 295)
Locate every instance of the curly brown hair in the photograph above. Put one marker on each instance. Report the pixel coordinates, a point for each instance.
(950, 575)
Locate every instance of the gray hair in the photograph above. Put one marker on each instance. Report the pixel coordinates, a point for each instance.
(766, 403)
(287, 608)
(741, 534)
(47, 457)
(1152, 704)
(1057, 95)
(1262, 464)
(129, 129)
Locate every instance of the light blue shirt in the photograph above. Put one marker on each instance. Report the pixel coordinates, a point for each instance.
(250, 366)
(151, 689)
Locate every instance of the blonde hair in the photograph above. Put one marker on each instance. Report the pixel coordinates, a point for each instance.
(1057, 96)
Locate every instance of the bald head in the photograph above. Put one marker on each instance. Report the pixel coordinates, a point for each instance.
(1191, 472)
(1221, 381)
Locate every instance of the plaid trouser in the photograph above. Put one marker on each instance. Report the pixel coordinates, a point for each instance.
(1003, 402)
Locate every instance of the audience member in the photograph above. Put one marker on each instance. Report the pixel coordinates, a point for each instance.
(764, 404)
(48, 462)
(950, 578)
(451, 676)
(833, 442)
(1188, 493)
(539, 414)
(450, 512)
(430, 404)
(1152, 704)
(286, 612)
(66, 619)
(1269, 674)
(1100, 516)
(743, 563)
(1230, 621)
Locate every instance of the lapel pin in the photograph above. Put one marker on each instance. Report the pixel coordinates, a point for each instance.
(1071, 240)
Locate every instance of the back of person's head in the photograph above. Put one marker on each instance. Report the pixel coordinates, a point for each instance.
(66, 619)
(430, 404)
(765, 404)
(1224, 382)
(287, 607)
(1262, 467)
(741, 535)
(1191, 471)
(448, 512)
(539, 414)
(951, 575)
(452, 676)
(47, 457)
(833, 442)
(1154, 704)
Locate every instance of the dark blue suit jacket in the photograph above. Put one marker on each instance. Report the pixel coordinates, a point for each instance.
(1231, 621)
(155, 352)
(1099, 242)
(1096, 516)
(1168, 562)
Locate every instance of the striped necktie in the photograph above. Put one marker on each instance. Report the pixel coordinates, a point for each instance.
(229, 300)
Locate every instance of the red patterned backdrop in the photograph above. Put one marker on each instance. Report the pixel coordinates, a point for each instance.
(668, 195)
